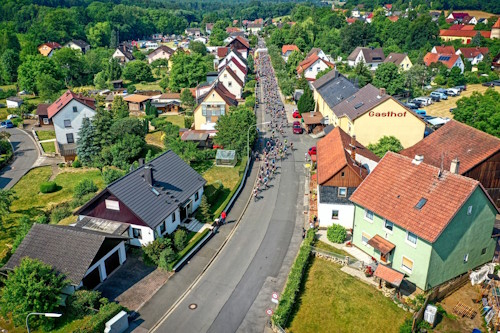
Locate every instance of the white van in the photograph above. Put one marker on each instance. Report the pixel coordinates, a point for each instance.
(425, 101)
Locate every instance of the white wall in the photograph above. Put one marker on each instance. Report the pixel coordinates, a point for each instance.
(346, 214)
(314, 69)
(229, 56)
(102, 268)
(159, 55)
(147, 235)
(237, 71)
(230, 84)
(83, 111)
(170, 225)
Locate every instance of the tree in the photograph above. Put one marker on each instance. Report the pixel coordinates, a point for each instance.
(187, 150)
(362, 74)
(48, 87)
(86, 148)
(389, 77)
(188, 70)
(102, 122)
(323, 72)
(218, 33)
(250, 63)
(422, 31)
(306, 101)
(232, 129)
(480, 111)
(32, 287)
(126, 150)
(205, 214)
(385, 144)
(128, 125)
(187, 97)
(137, 71)
(476, 40)
(32, 68)
(100, 80)
(72, 66)
(293, 61)
(8, 40)
(119, 108)
(198, 47)
(456, 78)
(6, 199)
(150, 110)
(113, 70)
(9, 62)
(354, 35)
(180, 239)
(99, 34)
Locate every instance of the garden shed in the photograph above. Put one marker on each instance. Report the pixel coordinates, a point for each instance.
(225, 158)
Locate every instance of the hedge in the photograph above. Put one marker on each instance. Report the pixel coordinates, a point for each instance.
(233, 191)
(97, 322)
(48, 187)
(194, 241)
(288, 297)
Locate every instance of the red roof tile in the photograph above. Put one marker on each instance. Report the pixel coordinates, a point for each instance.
(222, 52)
(393, 189)
(286, 48)
(445, 49)
(431, 58)
(463, 33)
(471, 52)
(67, 97)
(388, 274)
(381, 244)
(455, 140)
(497, 24)
(309, 61)
(393, 18)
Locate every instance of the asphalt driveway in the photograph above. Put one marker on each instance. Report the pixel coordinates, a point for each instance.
(25, 155)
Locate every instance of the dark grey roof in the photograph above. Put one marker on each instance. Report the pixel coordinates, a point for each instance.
(333, 87)
(359, 103)
(396, 58)
(329, 195)
(14, 99)
(174, 180)
(69, 250)
(239, 56)
(80, 43)
(370, 54)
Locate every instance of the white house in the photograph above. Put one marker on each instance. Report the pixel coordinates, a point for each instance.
(473, 54)
(311, 66)
(230, 55)
(151, 201)
(231, 81)
(372, 57)
(342, 164)
(162, 52)
(67, 114)
(123, 54)
(13, 102)
(79, 45)
(241, 71)
(356, 13)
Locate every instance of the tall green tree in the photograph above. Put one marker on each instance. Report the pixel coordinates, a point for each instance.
(232, 130)
(6, 199)
(480, 111)
(362, 74)
(32, 68)
(137, 71)
(99, 34)
(187, 97)
(422, 31)
(198, 47)
(385, 144)
(32, 287)
(9, 62)
(113, 70)
(86, 146)
(188, 70)
(102, 122)
(119, 108)
(389, 77)
(218, 33)
(306, 101)
(72, 66)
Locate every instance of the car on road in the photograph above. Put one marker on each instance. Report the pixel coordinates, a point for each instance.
(296, 114)
(6, 124)
(424, 101)
(452, 92)
(312, 151)
(297, 129)
(439, 95)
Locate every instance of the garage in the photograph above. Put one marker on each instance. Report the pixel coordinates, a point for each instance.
(92, 279)
(112, 263)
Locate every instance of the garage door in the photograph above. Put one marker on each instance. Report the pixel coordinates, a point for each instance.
(92, 279)
(112, 263)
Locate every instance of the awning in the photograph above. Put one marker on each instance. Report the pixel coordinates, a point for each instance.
(381, 244)
(389, 275)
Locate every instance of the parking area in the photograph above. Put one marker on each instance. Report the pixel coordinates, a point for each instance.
(134, 283)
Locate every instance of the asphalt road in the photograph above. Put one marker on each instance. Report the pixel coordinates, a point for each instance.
(256, 252)
(25, 153)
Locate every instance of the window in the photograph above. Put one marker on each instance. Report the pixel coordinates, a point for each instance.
(407, 264)
(225, 76)
(466, 258)
(67, 123)
(162, 228)
(173, 217)
(388, 225)
(112, 204)
(411, 238)
(70, 138)
(365, 238)
(342, 192)
(420, 203)
(342, 174)
(469, 210)
(196, 196)
(229, 84)
(137, 233)
(318, 69)
(483, 251)
(75, 109)
(368, 215)
(46, 121)
(335, 214)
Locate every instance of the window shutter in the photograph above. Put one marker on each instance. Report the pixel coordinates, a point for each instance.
(407, 263)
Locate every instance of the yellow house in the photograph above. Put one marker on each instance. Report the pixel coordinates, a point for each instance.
(400, 59)
(213, 104)
(371, 114)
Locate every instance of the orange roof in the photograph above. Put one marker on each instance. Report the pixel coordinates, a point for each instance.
(463, 33)
(351, 20)
(333, 156)
(305, 64)
(381, 244)
(388, 274)
(286, 48)
(393, 18)
(46, 48)
(136, 98)
(222, 51)
(396, 185)
(455, 140)
(444, 49)
(67, 97)
(471, 52)
(497, 24)
(446, 59)
(232, 29)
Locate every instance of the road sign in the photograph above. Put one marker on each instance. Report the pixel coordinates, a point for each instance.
(274, 297)
(269, 312)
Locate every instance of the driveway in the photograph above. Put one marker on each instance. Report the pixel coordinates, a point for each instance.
(25, 155)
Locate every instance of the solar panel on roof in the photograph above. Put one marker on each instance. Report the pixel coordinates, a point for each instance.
(444, 58)
(357, 106)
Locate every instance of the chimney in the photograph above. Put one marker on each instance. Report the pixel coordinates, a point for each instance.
(382, 91)
(353, 147)
(148, 175)
(455, 165)
(418, 159)
(141, 161)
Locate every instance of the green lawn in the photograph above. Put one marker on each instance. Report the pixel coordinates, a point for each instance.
(155, 139)
(49, 147)
(32, 203)
(46, 135)
(147, 86)
(227, 176)
(328, 248)
(176, 120)
(333, 301)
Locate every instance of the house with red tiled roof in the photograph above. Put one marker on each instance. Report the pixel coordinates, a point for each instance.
(427, 223)
(222, 52)
(450, 60)
(473, 54)
(342, 164)
(443, 49)
(286, 50)
(478, 153)
(47, 49)
(393, 18)
(312, 65)
(463, 35)
(351, 20)
(231, 81)
(215, 103)
(233, 63)
(457, 15)
(241, 45)
(67, 114)
(495, 30)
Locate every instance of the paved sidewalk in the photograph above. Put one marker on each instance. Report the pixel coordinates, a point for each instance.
(352, 250)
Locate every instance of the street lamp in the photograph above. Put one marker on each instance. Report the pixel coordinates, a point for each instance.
(48, 315)
(248, 136)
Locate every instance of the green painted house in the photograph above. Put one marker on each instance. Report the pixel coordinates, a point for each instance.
(430, 224)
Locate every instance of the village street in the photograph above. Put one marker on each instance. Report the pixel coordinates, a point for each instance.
(235, 291)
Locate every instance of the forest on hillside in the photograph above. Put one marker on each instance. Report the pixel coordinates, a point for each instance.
(490, 6)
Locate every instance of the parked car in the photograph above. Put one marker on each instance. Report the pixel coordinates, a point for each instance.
(452, 92)
(312, 151)
(424, 101)
(6, 124)
(412, 106)
(421, 112)
(297, 129)
(439, 95)
(461, 88)
(296, 114)
(441, 90)
(492, 83)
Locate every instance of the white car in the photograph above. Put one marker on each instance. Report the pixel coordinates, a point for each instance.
(452, 92)
(425, 101)
(12, 116)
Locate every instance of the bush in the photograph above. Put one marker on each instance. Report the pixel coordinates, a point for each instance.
(188, 121)
(48, 187)
(180, 239)
(110, 175)
(153, 250)
(194, 241)
(59, 212)
(336, 234)
(84, 187)
(83, 302)
(97, 322)
(167, 257)
(76, 163)
(406, 326)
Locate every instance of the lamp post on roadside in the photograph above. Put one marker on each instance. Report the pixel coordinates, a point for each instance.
(48, 315)
(248, 136)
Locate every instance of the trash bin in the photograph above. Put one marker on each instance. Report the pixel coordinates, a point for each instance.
(430, 314)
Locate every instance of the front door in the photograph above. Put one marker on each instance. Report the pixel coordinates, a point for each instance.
(183, 213)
